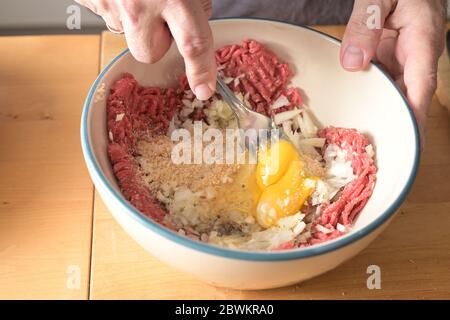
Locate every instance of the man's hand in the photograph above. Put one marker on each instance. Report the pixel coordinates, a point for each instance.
(149, 26)
(408, 44)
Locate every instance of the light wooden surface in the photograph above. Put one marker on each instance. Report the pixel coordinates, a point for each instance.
(50, 221)
(413, 253)
(45, 192)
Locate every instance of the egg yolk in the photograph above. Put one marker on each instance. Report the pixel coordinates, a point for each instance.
(273, 162)
(283, 183)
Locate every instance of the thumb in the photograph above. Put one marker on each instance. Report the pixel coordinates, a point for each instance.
(363, 33)
(188, 23)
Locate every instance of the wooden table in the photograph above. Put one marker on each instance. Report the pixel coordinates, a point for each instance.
(54, 230)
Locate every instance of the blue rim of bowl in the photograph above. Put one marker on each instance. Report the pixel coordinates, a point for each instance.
(239, 254)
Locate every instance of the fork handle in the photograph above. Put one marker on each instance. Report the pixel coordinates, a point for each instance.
(239, 109)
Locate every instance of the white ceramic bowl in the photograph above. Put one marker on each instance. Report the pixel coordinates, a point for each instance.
(368, 101)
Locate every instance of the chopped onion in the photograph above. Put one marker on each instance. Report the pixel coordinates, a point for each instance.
(341, 227)
(197, 103)
(369, 150)
(237, 79)
(188, 94)
(295, 126)
(186, 112)
(299, 228)
(295, 139)
(304, 237)
(290, 222)
(246, 97)
(119, 117)
(315, 142)
(337, 164)
(307, 127)
(228, 80)
(171, 127)
(322, 193)
(287, 127)
(293, 136)
(322, 229)
(187, 103)
(310, 150)
(279, 118)
(282, 101)
(339, 170)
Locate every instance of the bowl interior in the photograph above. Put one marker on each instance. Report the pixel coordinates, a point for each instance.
(367, 101)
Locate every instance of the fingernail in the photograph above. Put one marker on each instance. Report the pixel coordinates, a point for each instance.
(203, 92)
(353, 58)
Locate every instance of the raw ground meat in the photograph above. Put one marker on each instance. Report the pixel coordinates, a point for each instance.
(355, 195)
(261, 75)
(133, 189)
(135, 112)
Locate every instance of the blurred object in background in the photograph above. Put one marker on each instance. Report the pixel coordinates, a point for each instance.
(44, 17)
(295, 11)
(50, 16)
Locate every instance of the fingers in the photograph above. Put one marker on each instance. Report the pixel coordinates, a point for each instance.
(422, 37)
(88, 4)
(110, 14)
(388, 54)
(108, 10)
(207, 7)
(189, 26)
(420, 74)
(363, 33)
(146, 33)
(148, 37)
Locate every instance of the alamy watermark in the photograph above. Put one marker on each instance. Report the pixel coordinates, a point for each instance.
(229, 146)
(374, 20)
(374, 280)
(73, 21)
(73, 281)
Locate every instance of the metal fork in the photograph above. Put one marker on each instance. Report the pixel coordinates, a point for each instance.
(251, 122)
